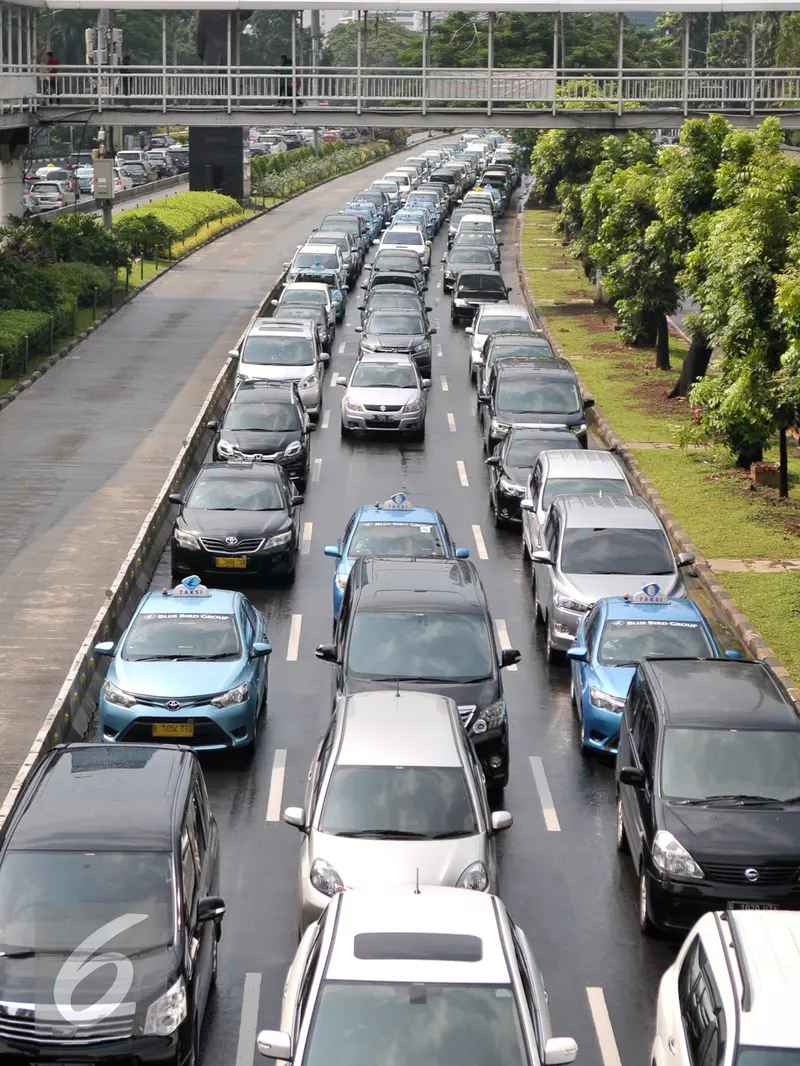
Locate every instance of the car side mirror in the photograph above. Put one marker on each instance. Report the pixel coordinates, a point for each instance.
(494, 460)
(509, 657)
(213, 425)
(260, 649)
(234, 352)
(470, 330)
(484, 397)
(273, 303)
(428, 308)
(558, 1051)
(426, 383)
(732, 653)
(106, 647)
(273, 1044)
(326, 652)
(543, 557)
(295, 816)
(633, 776)
(358, 329)
(174, 497)
(527, 505)
(501, 820)
(462, 553)
(325, 357)
(589, 401)
(363, 286)
(333, 551)
(286, 266)
(444, 258)
(210, 909)
(578, 653)
(684, 559)
(376, 241)
(297, 500)
(500, 244)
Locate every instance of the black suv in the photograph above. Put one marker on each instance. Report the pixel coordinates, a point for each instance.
(473, 288)
(708, 790)
(425, 625)
(512, 462)
(266, 422)
(542, 392)
(109, 853)
(505, 344)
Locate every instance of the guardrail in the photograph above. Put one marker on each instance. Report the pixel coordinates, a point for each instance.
(90, 204)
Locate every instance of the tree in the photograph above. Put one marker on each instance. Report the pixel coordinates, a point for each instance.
(381, 43)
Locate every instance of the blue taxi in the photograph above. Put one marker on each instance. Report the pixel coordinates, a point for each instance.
(395, 528)
(332, 279)
(191, 668)
(420, 217)
(373, 219)
(613, 637)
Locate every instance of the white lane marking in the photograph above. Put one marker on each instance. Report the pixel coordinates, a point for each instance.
(439, 351)
(326, 415)
(502, 633)
(602, 1025)
(445, 386)
(451, 421)
(480, 544)
(437, 299)
(276, 786)
(462, 473)
(248, 1026)
(308, 529)
(438, 284)
(294, 638)
(317, 470)
(334, 379)
(342, 347)
(545, 796)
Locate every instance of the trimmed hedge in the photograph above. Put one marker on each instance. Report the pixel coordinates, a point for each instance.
(15, 326)
(79, 280)
(151, 229)
(300, 174)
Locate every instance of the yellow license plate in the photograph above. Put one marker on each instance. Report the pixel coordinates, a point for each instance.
(173, 729)
(233, 562)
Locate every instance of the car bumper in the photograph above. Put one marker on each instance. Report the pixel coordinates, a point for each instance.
(600, 728)
(188, 561)
(563, 626)
(207, 728)
(677, 905)
(492, 750)
(366, 423)
(312, 399)
(508, 507)
(135, 1051)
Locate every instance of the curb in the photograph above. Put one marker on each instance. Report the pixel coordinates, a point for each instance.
(730, 611)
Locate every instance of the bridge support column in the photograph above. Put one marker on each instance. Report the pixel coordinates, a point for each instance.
(13, 143)
(216, 160)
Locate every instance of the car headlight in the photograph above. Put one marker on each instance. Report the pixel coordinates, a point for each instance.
(459, 302)
(312, 379)
(293, 449)
(278, 539)
(224, 447)
(581, 428)
(351, 405)
(232, 696)
(115, 695)
(491, 717)
(423, 346)
(474, 877)
(672, 857)
(604, 700)
(324, 878)
(167, 1012)
(510, 489)
(498, 429)
(567, 604)
(369, 346)
(185, 540)
(414, 405)
(340, 581)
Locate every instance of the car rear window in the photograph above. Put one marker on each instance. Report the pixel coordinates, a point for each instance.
(403, 237)
(478, 284)
(278, 351)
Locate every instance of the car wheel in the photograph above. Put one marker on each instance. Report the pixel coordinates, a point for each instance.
(526, 555)
(621, 836)
(420, 433)
(214, 959)
(346, 433)
(302, 485)
(538, 613)
(291, 574)
(646, 923)
(554, 656)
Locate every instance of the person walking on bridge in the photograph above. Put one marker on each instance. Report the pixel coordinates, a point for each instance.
(52, 70)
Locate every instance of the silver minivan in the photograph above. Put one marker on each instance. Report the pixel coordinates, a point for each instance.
(285, 351)
(597, 546)
(395, 795)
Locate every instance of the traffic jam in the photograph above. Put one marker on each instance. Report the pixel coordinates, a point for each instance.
(400, 843)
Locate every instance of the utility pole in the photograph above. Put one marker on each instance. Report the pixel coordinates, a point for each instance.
(316, 41)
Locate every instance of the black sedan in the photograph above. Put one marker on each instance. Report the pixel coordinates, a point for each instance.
(396, 330)
(238, 518)
(511, 463)
(395, 278)
(390, 298)
(463, 257)
(387, 259)
(473, 288)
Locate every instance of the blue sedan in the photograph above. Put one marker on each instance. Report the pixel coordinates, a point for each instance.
(190, 668)
(613, 638)
(395, 528)
(419, 217)
(372, 218)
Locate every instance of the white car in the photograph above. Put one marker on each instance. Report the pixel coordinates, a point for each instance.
(410, 237)
(310, 292)
(492, 318)
(480, 222)
(403, 180)
(123, 180)
(732, 991)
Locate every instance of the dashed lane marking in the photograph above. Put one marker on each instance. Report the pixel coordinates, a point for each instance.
(462, 473)
(294, 638)
(480, 544)
(342, 347)
(326, 417)
(248, 1026)
(445, 386)
(451, 421)
(502, 633)
(439, 351)
(545, 796)
(308, 529)
(317, 470)
(603, 1028)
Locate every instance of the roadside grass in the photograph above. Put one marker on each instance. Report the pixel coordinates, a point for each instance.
(772, 603)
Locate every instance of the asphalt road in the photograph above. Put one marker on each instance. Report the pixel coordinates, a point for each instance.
(559, 873)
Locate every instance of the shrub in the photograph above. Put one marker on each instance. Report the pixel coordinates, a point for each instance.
(79, 280)
(313, 169)
(150, 229)
(142, 234)
(25, 287)
(15, 326)
(79, 238)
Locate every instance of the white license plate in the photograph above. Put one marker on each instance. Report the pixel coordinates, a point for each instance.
(734, 906)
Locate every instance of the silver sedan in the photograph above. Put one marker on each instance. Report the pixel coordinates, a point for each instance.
(385, 394)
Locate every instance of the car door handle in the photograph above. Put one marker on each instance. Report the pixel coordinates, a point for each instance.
(671, 1045)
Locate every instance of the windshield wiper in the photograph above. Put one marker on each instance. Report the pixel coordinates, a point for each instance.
(741, 798)
(381, 834)
(21, 953)
(164, 659)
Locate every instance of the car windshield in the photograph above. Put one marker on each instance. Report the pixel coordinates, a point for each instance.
(768, 1056)
(460, 254)
(524, 451)
(299, 312)
(315, 259)
(403, 237)
(434, 645)
(407, 280)
(557, 486)
(423, 801)
(397, 261)
(304, 296)
(386, 322)
(495, 323)
(52, 901)
(278, 351)
(472, 239)
(236, 494)
(481, 285)
(700, 763)
(181, 636)
(368, 375)
(554, 396)
(405, 1025)
(627, 640)
(616, 551)
(269, 417)
(404, 539)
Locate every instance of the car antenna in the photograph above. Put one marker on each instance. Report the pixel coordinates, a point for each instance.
(416, 890)
(397, 690)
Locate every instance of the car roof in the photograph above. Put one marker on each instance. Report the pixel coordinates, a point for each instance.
(263, 326)
(477, 273)
(536, 365)
(423, 515)
(313, 247)
(676, 610)
(243, 468)
(544, 433)
(588, 511)
(429, 584)
(218, 601)
(441, 913)
(722, 693)
(503, 311)
(103, 797)
(306, 286)
(383, 729)
(584, 463)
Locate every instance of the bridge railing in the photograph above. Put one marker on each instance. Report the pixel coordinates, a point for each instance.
(409, 89)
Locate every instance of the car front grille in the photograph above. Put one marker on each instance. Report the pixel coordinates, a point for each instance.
(244, 547)
(140, 731)
(769, 873)
(19, 1022)
(467, 713)
(385, 408)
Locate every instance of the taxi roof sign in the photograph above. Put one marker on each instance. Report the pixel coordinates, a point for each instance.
(650, 594)
(190, 586)
(398, 502)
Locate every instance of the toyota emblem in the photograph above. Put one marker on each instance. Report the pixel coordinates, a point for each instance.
(173, 705)
(383, 408)
(751, 874)
(231, 540)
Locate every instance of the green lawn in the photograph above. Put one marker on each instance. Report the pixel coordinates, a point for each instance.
(772, 603)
